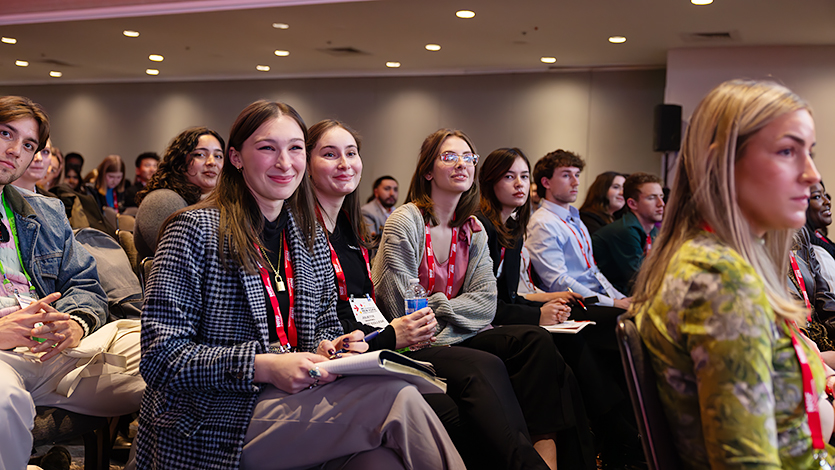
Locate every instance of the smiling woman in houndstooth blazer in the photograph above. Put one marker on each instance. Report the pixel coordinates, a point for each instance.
(238, 280)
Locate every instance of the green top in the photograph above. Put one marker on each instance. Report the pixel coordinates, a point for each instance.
(728, 376)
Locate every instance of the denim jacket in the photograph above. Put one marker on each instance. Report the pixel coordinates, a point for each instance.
(55, 261)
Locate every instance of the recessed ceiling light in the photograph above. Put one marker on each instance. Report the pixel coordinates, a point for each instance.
(701, 2)
(617, 39)
(281, 25)
(9, 40)
(433, 47)
(21, 63)
(392, 65)
(262, 68)
(465, 13)
(55, 74)
(281, 53)
(156, 57)
(548, 60)
(152, 71)
(131, 34)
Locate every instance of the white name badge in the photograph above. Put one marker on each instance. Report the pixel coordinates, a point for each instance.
(607, 286)
(366, 311)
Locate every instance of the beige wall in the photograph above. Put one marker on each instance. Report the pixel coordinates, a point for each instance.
(809, 71)
(605, 116)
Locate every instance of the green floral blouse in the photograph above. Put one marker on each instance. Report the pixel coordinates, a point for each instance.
(728, 376)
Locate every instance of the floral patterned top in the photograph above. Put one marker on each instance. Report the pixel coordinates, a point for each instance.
(728, 375)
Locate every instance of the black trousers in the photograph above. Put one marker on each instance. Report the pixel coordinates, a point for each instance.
(492, 433)
(545, 387)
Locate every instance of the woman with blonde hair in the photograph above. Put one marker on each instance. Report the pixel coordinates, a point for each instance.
(711, 300)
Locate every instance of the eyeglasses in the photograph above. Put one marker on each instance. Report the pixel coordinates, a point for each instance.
(467, 158)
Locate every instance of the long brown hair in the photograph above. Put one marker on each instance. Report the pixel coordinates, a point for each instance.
(173, 169)
(111, 164)
(241, 219)
(351, 203)
(495, 166)
(597, 197)
(420, 190)
(704, 191)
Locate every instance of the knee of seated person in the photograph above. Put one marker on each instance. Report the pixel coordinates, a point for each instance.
(15, 400)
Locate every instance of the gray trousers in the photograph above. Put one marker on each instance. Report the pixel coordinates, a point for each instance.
(355, 422)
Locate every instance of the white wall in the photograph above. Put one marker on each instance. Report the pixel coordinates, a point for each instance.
(809, 71)
(606, 117)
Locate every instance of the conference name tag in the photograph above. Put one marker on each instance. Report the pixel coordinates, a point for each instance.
(366, 311)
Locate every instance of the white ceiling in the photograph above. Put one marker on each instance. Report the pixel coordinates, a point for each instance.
(224, 39)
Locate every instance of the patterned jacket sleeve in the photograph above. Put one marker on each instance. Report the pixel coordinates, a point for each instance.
(176, 312)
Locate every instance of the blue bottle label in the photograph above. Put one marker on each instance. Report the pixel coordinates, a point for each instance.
(413, 305)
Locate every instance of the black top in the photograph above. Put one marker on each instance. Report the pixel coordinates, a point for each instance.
(593, 221)
(271, 237)
(511, 308)
(358, 280)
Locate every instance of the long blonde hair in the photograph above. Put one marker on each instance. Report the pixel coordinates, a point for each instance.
(704, 192)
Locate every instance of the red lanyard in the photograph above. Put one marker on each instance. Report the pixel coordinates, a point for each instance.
(430, 262)
(340, 274)
(279, 321)
(648, 245)
(802, 285)
(822, 238)
(530, 278)
(578, 241)
(809, 397)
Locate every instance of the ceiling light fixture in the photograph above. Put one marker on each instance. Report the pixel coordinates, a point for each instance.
(392, 65)
(701, 2)
(617, 39)
(55, 74)
(9, 40)
(262, 68)
(21, 63)
(131, 34)
(548, 60)
(281, 53)
(281, 26)
(152, 71)
(156, 57)
(466, 14)
(433, 47)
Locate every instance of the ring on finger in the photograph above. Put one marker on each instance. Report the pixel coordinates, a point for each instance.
(315, 373)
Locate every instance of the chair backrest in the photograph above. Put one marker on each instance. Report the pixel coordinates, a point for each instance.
(640, 378)
(145, 267)
(126, 222)
(125, 239)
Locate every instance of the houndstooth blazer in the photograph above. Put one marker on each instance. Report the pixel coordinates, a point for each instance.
(202, 325)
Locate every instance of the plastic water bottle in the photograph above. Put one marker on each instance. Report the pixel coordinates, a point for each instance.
(415, 299)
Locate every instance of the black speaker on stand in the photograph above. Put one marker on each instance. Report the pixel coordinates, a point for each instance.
(666, 134)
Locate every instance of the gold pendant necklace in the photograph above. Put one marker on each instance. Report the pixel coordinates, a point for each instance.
(279, 282)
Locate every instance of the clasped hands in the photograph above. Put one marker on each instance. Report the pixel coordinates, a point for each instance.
(17, 328)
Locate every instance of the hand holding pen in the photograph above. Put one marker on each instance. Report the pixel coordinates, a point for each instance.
(578, 300)
(353, 344)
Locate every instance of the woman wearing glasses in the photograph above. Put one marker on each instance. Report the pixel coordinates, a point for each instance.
(188, 172)
(436, 238)
(239, 314)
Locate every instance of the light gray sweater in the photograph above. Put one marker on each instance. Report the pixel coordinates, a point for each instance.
(157, 206)
(399, 256)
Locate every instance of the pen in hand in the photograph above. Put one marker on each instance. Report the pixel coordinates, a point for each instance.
(367, 338)
(578, 300)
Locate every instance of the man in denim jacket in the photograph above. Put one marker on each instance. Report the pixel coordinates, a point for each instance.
(50, 299)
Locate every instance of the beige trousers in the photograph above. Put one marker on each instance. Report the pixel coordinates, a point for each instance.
(355, 422)
(25, 382)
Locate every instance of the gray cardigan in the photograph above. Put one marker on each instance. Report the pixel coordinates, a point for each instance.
(157, 206)
(399, 256)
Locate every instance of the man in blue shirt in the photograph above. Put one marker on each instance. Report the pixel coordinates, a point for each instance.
(558, 241)
(622, 245)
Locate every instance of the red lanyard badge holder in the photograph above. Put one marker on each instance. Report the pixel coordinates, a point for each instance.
(430, 262)
(289, 339)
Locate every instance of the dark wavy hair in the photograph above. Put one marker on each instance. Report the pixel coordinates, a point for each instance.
(495, 166)
(241, 219)
(420, 190)
(173, 169)
(351, 204)
(597, 198)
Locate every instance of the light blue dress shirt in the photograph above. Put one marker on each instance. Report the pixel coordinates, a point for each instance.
(560, 246)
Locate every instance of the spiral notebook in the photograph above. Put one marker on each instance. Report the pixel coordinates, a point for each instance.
(387, 362)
